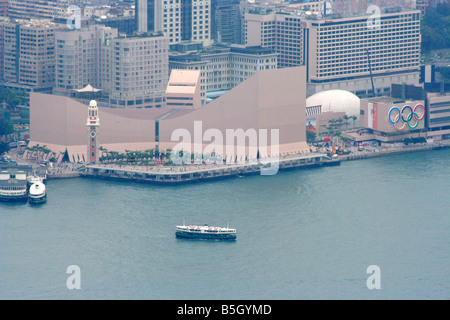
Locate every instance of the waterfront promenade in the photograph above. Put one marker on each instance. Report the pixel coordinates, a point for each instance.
(171, 175)
(204, 172)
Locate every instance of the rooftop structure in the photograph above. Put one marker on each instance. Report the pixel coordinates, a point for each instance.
(183, 89)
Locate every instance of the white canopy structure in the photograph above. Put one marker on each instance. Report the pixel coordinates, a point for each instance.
(88, 88)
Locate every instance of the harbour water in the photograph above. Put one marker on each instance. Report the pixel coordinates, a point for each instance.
(302, 234)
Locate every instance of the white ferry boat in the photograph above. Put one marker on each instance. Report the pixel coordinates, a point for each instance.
(205, 232)
(37, 193)
(13, 185)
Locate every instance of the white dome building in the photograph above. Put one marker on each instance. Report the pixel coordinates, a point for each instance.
(335, 101)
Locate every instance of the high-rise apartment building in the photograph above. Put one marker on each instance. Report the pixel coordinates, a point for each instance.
(177, 19)
(29, 54)
(139, 71)
(83, 58)
(131, 71)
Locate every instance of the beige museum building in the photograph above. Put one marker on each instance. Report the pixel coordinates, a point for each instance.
(271, 100)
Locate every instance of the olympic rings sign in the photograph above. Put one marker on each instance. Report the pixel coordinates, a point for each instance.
(406, 115)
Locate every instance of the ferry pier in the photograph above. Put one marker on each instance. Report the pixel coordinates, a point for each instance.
(174, 175)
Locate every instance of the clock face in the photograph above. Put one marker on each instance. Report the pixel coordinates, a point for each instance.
(92, 133)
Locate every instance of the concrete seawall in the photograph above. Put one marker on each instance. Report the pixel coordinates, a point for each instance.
(388, 152)
(63, 175)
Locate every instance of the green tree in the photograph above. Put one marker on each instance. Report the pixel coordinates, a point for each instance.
(13, 97)
(435, 28)
(4, 147)
(6, 126)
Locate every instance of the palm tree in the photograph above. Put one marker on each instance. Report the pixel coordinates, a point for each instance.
(105, 153)
(354, 119)
(168, 153)
(346, 118)
(339, 122)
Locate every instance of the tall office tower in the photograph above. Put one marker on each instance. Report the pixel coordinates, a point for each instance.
(283, 33)
(29, 54)
(83, 58)
(177, 19)
(344, 48)
(139, 68)
(37, 9)
(348, 53)
(196, 21)
(225, 21)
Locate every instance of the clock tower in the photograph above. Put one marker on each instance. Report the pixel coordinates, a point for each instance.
(93, 122)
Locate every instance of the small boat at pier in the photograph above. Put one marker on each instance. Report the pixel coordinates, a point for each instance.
(34, 179)
(37, 193)
(205, 232)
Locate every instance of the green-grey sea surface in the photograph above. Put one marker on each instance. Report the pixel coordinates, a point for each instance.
(302, 234)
